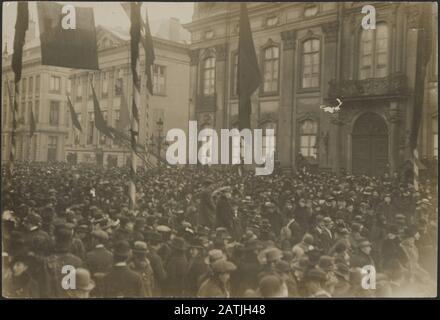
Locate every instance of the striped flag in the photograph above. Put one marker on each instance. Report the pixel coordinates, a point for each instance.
(21, 26)
(100, 123)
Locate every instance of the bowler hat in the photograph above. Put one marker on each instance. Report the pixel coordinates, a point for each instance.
(140, 248)
(273, 254)
(223, 266)
(364, 243)
(83, 280)
(121, 248)
(178, 243)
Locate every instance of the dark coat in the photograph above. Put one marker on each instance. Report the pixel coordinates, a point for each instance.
(99, 260)
(176, 270)
(246, 275)
(206, 214)
(224, 214)
(360, 259)
(23, 286)
(197, 268)
(158, 271)
(122, 282)
(213, 288)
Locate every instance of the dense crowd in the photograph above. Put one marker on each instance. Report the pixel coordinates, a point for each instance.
(205, 232)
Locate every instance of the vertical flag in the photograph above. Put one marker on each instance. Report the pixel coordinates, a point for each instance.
(149, 52)
(249, 77)
(135, 36)
(100, 123)
(21, 26)
(73, 116)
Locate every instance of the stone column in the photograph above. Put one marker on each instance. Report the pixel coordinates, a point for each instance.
(220, 80)
(193, 84)
(329, 70)
(394, 119)
(285, 137)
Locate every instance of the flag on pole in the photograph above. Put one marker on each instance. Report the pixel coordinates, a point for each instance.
(149, 52)
(135, 36)
(100, 123)
(249, 77)
(424, 49)
(147, 43)
(21, 26)
(70, 46)
(124, 115)
(73, 115)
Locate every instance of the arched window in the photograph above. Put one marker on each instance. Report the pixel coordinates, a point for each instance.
(308, 139)
(310, 63)
(270, 69)
(373, 50)
(208, 75)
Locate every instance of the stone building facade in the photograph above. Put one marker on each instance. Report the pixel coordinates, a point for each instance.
(309, 55)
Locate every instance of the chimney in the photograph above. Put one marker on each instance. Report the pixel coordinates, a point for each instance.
(174, 30)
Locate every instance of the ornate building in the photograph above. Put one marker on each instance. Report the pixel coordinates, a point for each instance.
(113, 82)
(43, 89)
(310, 54)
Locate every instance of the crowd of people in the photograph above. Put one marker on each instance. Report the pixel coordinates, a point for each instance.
(207, 232)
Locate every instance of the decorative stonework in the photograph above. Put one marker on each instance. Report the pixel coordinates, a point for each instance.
(413, 16)
(220, 52)
(205, 119)
(194, 57)
(330, 30)
(394, 84)
(393, 114)
(289, 39)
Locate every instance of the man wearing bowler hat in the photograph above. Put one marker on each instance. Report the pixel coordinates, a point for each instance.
(176, 268)
(154, 240)
(196, 267)
(140, 264)
(121, 282)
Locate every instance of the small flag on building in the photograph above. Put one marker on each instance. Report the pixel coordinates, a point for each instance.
(249, 78)
(67, 40)
(73, 115)
(100, 123)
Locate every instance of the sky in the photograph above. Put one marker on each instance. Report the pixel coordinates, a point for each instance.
(108, 14)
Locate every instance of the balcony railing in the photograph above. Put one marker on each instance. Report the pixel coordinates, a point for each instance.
(393, 85)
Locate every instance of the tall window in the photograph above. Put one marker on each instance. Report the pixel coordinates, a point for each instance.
(435, 137)
(270, 69)
(69, 86)
(373, 60)
(52, 144)
(78, 89)
(31, 86)
(208, 76)
(235, 75)
(310, 64)
(104, 85)
(55, 84)
(23, 88)
(308, 139)
(37, 85)
(37, 111)
(54, 113)
(119, 83)
(159, 79)
(90, 128)
(30, 111)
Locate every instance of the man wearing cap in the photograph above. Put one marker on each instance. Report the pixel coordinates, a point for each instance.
(196, 267)
(32, 223)
(363, 256)
(140, 264)
(217, 285)
(248, 268)
(176, 268)
(154, 240)
(99, 260)
(61, 257)
(121, 282)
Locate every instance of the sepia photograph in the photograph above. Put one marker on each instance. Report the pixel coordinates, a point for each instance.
(233, 150)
